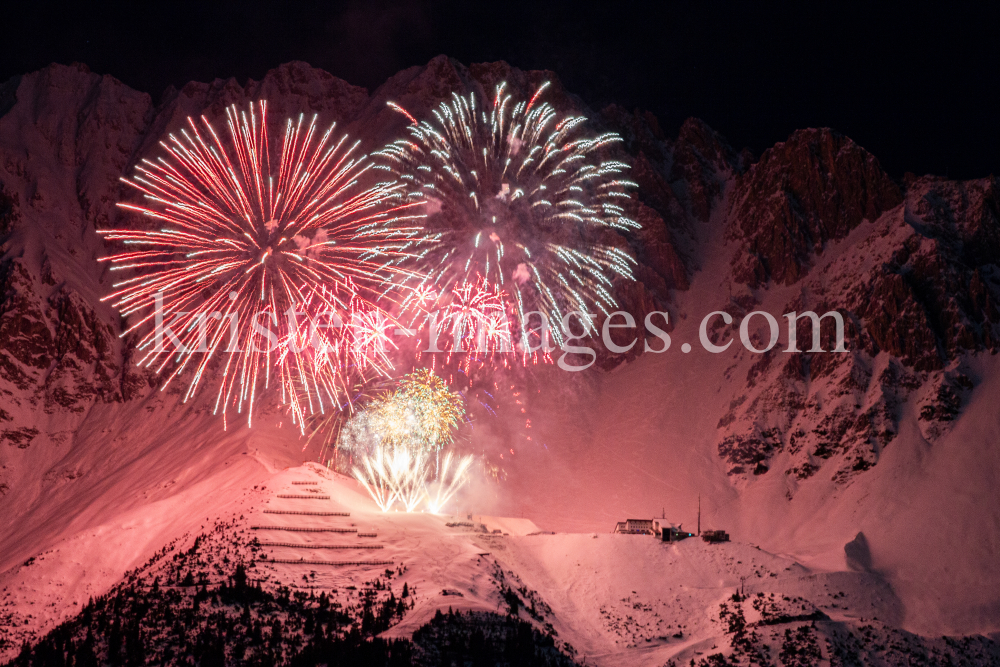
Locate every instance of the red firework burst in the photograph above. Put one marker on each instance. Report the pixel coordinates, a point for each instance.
(254, 243)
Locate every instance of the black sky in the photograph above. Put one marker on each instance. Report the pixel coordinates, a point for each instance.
(917, 85)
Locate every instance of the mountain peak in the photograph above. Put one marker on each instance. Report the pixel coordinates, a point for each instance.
(814, 187)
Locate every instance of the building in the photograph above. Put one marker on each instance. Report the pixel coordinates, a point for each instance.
(635, 527)
(713, 536)
(661, 528)
(672, 533)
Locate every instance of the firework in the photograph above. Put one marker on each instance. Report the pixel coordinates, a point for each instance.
(436, 409)
(375, 476)
(313, 366)
(419, 414)
(450, 479)
(391, 475)
(398, 437)
(516, 194)
(254, 241)
(472, 325)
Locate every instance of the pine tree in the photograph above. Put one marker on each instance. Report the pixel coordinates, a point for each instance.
(240, 578)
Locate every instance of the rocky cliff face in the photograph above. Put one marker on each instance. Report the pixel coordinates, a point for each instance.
(814, 224)
(65, 134)
(914, 279)
(811, 189)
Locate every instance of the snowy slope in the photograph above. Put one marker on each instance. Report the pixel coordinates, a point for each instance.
(607, 599)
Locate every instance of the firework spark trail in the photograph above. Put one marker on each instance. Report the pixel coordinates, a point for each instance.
(408, 474)
(394, 474)
(473, 320)
(248, 232)
(314, 365)
(514, 193)
(376, 477)
(450, 480)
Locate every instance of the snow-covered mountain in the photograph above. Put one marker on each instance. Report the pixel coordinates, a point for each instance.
(797, 453)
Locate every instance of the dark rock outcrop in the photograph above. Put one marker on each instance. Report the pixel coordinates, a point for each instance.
(813, 188)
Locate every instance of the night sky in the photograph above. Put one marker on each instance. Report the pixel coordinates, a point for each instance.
(919, 87)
